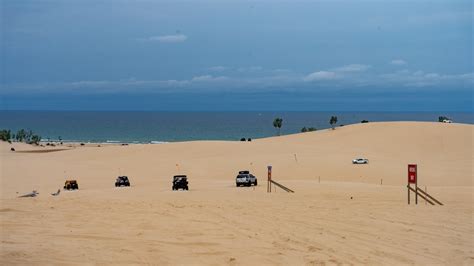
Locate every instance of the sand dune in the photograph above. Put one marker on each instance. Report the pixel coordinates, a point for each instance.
(217, 223)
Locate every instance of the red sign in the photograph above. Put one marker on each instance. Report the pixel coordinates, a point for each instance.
(412, 173)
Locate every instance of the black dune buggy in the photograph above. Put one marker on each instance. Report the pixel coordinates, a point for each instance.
(180, 181)
(122, 181)
(71, 185)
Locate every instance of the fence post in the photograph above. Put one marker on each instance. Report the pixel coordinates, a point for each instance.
(408, 189)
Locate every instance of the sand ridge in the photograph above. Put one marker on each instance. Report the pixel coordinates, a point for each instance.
(217, 223)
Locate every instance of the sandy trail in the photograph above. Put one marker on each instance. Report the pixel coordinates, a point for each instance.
(217, 223)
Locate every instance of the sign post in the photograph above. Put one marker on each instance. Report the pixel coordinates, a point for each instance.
(412, 179)
(269, 183)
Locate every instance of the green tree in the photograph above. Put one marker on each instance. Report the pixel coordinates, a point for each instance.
(277, 123)
(28, 136)
(308, 129)
(35, 139)
(21, 135)
(442, 118)
(5, 135)
(333, 121)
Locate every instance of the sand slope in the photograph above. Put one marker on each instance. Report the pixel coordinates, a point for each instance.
(216, 223)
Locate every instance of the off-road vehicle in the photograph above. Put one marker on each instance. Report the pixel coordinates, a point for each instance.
(122, 181)
(180, 181)
(71, 185)
(245, 178)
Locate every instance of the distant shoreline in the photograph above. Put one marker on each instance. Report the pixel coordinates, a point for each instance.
(78, 143)
(161, 127)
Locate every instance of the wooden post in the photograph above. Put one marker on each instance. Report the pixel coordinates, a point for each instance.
(416, 193)
(269, 181)
(408, 189)
(268, 186)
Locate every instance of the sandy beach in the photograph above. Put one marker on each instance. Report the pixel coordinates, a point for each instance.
(340, 213)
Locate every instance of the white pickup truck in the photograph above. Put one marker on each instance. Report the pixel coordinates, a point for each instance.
(360, 161)
(245, 178)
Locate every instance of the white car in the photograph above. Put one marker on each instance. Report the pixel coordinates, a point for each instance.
(360, 161)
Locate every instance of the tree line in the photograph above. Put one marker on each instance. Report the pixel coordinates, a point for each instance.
(21, 135)
(278, 123)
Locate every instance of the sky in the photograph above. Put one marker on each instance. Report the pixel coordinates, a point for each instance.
(237, 55)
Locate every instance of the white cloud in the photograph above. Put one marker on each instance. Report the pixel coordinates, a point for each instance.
(398, 62)
(281, 70)
(321, 75)
(422, 79)
(352, 68)
(348, 76)
(167, 38)
(176, 83)
(90, 83)
(250, 69)
(207, 78)
(337, 73)
(218, 68)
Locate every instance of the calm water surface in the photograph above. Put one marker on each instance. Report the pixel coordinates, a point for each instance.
(145, 127)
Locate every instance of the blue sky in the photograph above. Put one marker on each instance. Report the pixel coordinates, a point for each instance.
(237, 55)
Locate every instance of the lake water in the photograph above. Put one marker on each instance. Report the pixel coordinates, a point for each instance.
(146, 127)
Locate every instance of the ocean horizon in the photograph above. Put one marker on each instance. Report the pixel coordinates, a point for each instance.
(163, 126)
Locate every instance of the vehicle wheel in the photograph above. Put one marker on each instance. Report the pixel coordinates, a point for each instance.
(68, 187)
(77, 186)
(255, 182)
(186, 188)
